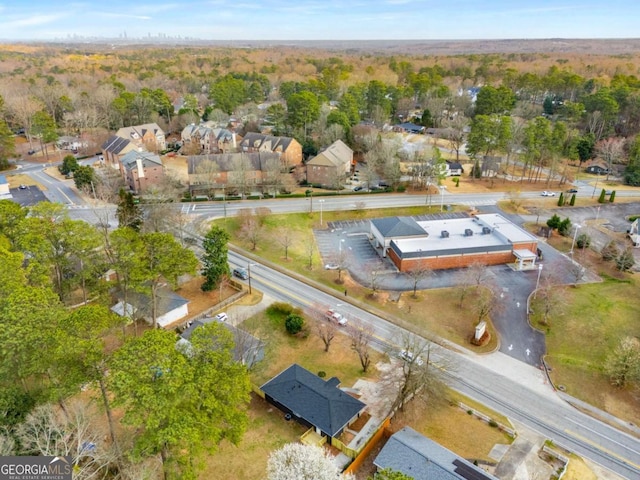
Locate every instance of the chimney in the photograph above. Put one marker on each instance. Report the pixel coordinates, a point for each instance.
(140, 168)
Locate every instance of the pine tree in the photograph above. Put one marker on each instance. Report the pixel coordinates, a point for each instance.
(612, 197)
(572, 202)
(561, 199)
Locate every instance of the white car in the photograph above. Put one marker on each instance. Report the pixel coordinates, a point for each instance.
(548, 194)
(407, 356)
(222, 317)
(334, 316)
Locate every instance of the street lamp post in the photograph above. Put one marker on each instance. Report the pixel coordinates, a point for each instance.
(575, 234)
(321, 201)
(442, 187)
(538, 281)
(341, 242)
(249, 274)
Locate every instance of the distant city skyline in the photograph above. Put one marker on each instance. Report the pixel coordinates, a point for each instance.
(321, 19)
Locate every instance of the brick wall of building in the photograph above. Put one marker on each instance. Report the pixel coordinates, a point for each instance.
(453, 261)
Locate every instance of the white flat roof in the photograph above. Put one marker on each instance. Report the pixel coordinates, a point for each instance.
(503, 233)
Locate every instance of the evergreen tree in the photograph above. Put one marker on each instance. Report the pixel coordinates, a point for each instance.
(612, 197)
(128, 212)
(573, 200)
(602, 197)
(215, 264)
(561, 199)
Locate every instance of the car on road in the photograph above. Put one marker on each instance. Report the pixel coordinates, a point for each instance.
(222, 317)
(331, 266)
(408, 356)
(22, 187)
(358, 188)
(548, 194)
(334, 316)
(572, 190)
(241, 273)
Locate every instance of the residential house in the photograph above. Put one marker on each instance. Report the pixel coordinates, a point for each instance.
(597, 169)
(211, 139)
(289, 149)
(454, 169)
(170, 307)
(150, 136)
(331, 166)
(312, 401)
(408, 127)
(243, 172)
(420, 458)
(67, 142)
(114, 149)
(247, 349)
(141, 169)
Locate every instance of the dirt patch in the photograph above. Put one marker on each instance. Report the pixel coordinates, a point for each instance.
(200, 301)
(177, 166)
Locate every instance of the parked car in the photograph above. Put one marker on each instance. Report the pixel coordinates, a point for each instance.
(22, 187)
(331, 266)
(572, 190)
(358, 188)
(548, 194)
(241, 273)
(222, 317)
(408, 356)
(334, 316)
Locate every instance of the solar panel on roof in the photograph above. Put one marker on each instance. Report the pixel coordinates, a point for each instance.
(469, 472)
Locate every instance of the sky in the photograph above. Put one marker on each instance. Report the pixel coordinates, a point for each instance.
(320, 19)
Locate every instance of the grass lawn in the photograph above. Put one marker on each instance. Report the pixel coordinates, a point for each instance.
(594, 319)
(284, 349)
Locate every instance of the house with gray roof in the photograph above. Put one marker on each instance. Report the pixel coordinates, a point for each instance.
(150, 136)
(170, 307)
(141, 169)
(247, 349)
(210, 138)
(420, 458)
(289, 148)
(312, 401)
(114, 149)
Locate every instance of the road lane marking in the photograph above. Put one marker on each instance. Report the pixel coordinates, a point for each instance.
(600, 435)
(65, 196)
(602, 449)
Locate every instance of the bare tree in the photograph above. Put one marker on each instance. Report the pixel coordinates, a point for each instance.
(551, 298)
(576, 271)
(324, 328)
(374, 279)
(474, 276)
(417, 376)
(485, 303)
(610, 150)
(310, 250)
(47, 431)
(416, 275)
(361, 335)
(455, 133)
(251, 230)
(208, 174)
(285, 238)
(623, 364)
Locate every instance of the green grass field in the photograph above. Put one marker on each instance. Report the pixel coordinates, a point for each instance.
(594, 319)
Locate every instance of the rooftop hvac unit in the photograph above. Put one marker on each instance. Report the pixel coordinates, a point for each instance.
(468, 232)
(444, 234)
(486, 230)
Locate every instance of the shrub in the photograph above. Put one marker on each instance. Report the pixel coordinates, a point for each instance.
(553, 222)
(625, 260)
(583, 240)
(572, 202)
(610, 251)
(294, 323)
(493, 423)
(322, 374)
(561, 200)
(281, 308)
(612, 197)
(564, 227)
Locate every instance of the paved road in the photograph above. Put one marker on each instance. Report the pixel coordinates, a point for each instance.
(507, 385)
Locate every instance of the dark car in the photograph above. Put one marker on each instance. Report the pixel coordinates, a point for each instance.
(240, 273)
(357, 189)
(572, 190)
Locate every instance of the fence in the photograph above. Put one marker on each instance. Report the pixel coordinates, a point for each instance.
(508, 430)
(374, 440)
(227, 301)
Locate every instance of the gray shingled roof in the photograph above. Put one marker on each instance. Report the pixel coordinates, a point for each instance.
(419, 457)
(309, 397)
(129, 161)
(391, 227)
(166, 301)
(256, 140)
